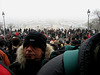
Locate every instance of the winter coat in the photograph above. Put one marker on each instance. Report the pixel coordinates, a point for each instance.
(4, 70)
(23, 67)
(5, 58)
(13, 53)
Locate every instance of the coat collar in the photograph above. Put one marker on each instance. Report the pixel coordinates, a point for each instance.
(21, 57)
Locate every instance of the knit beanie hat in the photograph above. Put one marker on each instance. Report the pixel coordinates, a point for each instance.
(36, 39)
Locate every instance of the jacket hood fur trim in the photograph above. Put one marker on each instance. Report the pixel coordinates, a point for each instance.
(21, 57)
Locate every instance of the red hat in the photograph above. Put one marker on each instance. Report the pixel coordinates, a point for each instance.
(17, 34)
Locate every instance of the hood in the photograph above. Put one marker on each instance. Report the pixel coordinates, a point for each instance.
(89, 56)
(21, 57)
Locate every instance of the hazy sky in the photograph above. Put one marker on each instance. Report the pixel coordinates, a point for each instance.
(47, 9)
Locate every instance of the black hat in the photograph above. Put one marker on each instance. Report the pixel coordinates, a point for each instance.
(36, 39)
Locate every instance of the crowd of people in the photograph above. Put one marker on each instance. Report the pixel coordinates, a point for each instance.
(26, 51)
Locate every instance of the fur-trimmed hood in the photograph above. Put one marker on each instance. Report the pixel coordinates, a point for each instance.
(21, 57)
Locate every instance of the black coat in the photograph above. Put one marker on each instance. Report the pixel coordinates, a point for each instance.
(31, 68)
(89, 56)
(53, 67)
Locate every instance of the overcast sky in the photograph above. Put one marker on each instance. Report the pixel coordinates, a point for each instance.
(47, 9)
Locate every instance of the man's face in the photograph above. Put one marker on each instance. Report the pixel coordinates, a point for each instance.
(33, 52)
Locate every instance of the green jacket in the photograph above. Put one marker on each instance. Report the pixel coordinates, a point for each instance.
(63, 49)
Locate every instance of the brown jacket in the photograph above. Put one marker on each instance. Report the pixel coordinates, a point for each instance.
(5, 58)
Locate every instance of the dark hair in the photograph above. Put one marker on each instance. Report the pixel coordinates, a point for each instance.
(73, 38)
(85, 37)
(16, 41)
(67, 42)
(75, 43)
(2, 42)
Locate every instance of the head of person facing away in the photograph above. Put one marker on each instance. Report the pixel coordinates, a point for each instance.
(2, 43)
(15, 43)
(34, 46)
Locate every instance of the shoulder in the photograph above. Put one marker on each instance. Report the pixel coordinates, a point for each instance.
(14, 65)
(55, 66)
(1, 52)
(5, 70)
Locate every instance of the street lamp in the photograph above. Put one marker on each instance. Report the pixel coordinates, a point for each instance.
(3, 14)
(88, 13)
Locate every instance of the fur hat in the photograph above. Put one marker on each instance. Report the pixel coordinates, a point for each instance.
(36, 39)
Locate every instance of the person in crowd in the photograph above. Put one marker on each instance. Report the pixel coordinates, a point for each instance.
(74, 46)
(8, 42)
(32, 55)
(89, 35)
(75, 43)
(67, 43)
(84, 39)
(55, 44)
(85, 61)
(61, 43)
(16, 42)
(3, 54)
(73, 38)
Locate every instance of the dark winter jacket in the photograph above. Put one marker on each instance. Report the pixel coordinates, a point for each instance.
(28, 67)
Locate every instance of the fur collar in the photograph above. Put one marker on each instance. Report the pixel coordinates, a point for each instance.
(21, 57)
